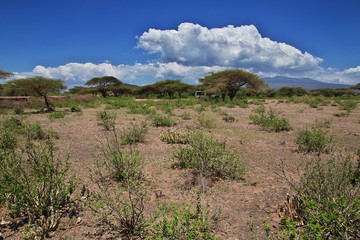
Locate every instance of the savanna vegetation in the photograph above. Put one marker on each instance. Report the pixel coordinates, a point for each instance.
(117, 161)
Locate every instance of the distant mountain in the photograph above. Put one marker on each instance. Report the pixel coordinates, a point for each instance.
(306, 83)
(130, 85)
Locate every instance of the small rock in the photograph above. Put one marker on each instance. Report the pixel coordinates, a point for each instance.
(79, 220)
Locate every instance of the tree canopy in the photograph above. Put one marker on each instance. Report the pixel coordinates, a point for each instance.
(356, 87)
(34, 86)
(228, 82)
(5, 75)
(166, 87)
(104, 84)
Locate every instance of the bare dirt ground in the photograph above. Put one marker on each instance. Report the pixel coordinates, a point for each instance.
(260, 194)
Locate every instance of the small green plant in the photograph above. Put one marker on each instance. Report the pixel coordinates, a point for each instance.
(186, 116)
(204, 122)
(329, 201)
(209, 158)
(120, 204)
(315, 140)
(35, 184)
(107, 119)
(174, 136)
(348, 105)
(54, 115)
(185, 222)
(18, 111)
(270, 121)
(136, 133)
(75, 109)
(163, 121)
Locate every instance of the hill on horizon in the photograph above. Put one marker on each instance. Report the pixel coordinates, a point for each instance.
(306, 83)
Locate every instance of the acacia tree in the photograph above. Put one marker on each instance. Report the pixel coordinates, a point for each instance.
(230, 81)
(34, 86)
(5, 75)
(103, 85)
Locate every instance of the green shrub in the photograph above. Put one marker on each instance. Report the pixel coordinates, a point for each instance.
(121, 204)
(329, 202)
(174, 136)
(136, 133)
(35, 184)
(75, 109)
(315, 140)
(3, 111)
(14, 131)
(57, 115)
(163, 121)
(18, 111)
(89, 105)
(204, 122)
(185, 222)
(141, 108)
(209, 158)
(348, 105)
(107, 119)
(270, 121)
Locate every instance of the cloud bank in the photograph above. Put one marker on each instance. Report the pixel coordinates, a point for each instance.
(191, 51)
(237, 47)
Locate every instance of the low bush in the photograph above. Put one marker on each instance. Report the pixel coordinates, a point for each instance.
(315, 140)
(185, 222)
(209, 158)
(348, 105)
(329, 201)
(174, 136)
(163, 121)
(54, 115)
(18, 111)
(204, 122)
(136, 133)
(35, 184)
(107, 119)
(270, 121)
(120, 204)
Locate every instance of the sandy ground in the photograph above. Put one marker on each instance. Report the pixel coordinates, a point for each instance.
(260, 194)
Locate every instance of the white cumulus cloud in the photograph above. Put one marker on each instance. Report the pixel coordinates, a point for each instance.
(238, 47)
(78, 73)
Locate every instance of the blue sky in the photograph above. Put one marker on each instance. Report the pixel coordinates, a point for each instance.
(142, 41)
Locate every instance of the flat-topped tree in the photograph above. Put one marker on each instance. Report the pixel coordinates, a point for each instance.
(103, 84)
(34, 86)
(5, 75)
(230, 81)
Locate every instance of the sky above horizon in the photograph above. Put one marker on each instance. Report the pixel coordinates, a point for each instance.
(141, 42)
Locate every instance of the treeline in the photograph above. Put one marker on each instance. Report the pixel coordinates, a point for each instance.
(232, 83)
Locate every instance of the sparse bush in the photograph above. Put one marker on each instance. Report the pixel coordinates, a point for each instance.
(174, 136)
(186, 116)
(163, 121)
(107, 119)
(204, 122)
(136, 133)
(185, 222)
(137, 108)
(75, 109)
(14, 131)
(329, 201)
(228, 118)
(209, 158)
(35, 184)
(270, 121)
(121, 204)
(18, 111)
(315, 140)
(54, 115)
(348, 105)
